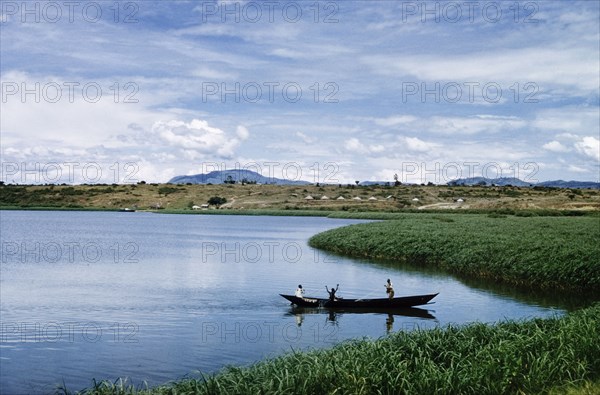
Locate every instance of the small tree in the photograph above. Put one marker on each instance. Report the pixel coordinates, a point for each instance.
(217, 201)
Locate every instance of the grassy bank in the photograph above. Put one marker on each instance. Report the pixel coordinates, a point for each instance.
(543, 252)
(296, 197)
(537, 356)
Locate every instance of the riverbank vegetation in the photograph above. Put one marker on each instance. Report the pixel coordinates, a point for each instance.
(344, 198)
(559, 253)
(557, 355)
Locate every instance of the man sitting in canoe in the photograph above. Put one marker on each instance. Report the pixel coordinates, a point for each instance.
(300, 291)
(389, 289)
(332, 292)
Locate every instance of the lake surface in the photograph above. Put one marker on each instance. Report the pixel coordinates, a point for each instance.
(157, 297)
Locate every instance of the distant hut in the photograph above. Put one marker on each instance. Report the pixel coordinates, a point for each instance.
(341, 198)
(357, 198)
(309, 198)
(324, 197)
(415, 199)
(372, 198)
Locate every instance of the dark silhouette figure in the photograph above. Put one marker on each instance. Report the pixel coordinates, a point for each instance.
(332, 292)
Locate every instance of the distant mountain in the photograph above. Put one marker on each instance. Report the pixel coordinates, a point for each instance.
(570, 184)
(520, 183)
(236, 175)
(492, 181)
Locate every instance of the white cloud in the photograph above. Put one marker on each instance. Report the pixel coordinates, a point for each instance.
(213, 74)
(416, 144)
(395, 120)
(464, 125)
(242, 132)
(577, 169)
(569, 120)
(589, 146)
(475, 124)
(544, 66)
(197, 139)
(355, 145)
(305, 138)
(555, 146)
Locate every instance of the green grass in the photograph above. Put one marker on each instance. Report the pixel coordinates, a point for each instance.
(265, 212)
(55, 208)
(542, 252)
(400, 214)
(555, 354)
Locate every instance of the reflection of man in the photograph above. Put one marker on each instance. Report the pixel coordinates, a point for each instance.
(299, 319)
(332, 316)
(389, 289)
(389, 323)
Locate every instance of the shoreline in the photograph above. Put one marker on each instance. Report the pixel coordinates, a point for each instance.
(372, 215)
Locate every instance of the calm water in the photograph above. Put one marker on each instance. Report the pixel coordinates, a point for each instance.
(157, 297)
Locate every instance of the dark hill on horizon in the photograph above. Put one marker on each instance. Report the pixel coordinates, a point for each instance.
(248, 176)
(505, 181)
(233, 176)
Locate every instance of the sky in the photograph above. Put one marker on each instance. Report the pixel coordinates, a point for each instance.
(323, 91)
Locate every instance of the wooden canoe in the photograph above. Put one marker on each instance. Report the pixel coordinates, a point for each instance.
(403, 301)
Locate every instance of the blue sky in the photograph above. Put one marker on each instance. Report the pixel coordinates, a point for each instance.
(331, 91)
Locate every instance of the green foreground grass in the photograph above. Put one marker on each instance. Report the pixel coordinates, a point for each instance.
(559, 355)
(558, 253)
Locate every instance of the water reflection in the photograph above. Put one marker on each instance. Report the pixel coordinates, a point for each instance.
(569, 301)
(334, 314)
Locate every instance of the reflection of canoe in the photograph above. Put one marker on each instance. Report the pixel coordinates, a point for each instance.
(404, 301)
(404, 311)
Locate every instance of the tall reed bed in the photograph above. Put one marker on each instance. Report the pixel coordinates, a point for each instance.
(541, 252)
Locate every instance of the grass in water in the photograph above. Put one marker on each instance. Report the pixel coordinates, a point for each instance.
(540, 252)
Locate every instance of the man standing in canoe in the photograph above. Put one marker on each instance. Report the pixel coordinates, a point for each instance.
(389, 289)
